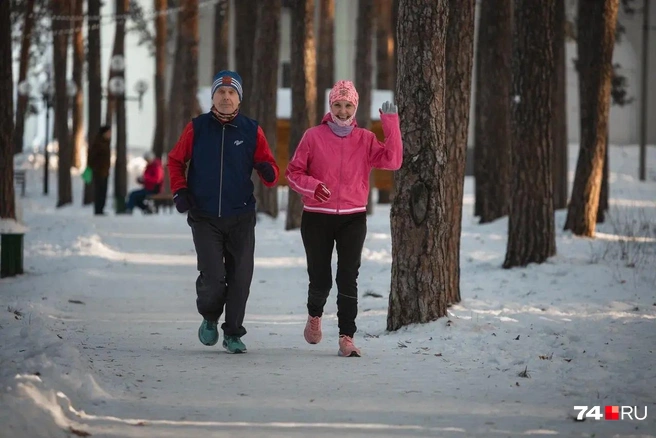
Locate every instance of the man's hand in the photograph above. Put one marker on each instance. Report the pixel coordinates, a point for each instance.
(184, 201)
(321, 193)
(266, 170)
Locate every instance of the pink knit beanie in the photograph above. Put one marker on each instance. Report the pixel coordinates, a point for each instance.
(343, 90)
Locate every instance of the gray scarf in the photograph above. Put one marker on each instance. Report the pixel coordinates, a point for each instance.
(340, 131)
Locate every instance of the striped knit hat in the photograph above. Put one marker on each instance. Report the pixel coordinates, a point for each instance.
(227, 78)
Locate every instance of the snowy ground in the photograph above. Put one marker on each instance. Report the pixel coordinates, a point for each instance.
(99, 336)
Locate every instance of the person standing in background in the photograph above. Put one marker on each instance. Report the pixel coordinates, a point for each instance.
(100, 155)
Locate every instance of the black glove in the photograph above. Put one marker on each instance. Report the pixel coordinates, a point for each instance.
(266, 170)
(184, 201)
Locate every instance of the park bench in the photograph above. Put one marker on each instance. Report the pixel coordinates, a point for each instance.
(160, 200)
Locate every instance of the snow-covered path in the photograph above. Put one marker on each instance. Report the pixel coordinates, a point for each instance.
(105, 315)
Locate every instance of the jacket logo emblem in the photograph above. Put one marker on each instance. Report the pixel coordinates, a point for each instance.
(238, 142)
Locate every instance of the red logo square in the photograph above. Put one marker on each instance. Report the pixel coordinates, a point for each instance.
(612, 413)
(226, 80)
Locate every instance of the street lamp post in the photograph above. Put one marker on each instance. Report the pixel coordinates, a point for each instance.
(140, 87)
(117, 90)
(46, 91)
(47, 94)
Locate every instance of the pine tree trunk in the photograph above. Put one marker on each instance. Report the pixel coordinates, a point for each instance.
(531, 236)
(245, 47)
(492, 110)
(221, 36)
(176, 121)
(7, 206)
(60, 56)
(459, 63)
(110, 104)
(395, 28)
(364, 71)
(304, 90)
(386, 61)
(384, 45)
(94, 80)
(559, 113)
(190, 36)
(604, 192)
(121, 165)
(77, 134)
(23, 65)
(325, 55)
(363, 61)
(160, 77)
(265, 92)
(596, 39)
(419, 232)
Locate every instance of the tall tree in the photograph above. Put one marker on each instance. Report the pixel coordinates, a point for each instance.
(531, 236)
(190, 36)
(94, 80)
(23, 64)
(386, 61)
(183, 103)
(644, 88)
(385, 48)
(325, 54)
(160, 77)
(175, 120)
(117, 49)
(559, 107)
(596, 24)
(304, 90)
(395, 26)
(264, 94)
(459, 60)
(492, 110)
(245, 46)
(221, 36)
(363, 61)
(121, 164)
(364, 71)
(7, 207)
(77, 134)
(419, 231)
(60, 55)
(605, 189)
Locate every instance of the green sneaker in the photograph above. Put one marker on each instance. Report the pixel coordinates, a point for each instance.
(233, 344)
(208, 334)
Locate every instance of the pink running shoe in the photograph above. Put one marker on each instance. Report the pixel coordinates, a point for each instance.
(312, 330)
(347, 348)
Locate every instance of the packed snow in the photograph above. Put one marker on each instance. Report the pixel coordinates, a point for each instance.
(99, 336)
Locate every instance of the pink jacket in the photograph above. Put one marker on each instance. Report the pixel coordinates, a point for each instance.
(342, 164)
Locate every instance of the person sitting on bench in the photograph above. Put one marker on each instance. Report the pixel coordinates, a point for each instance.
(152, 180)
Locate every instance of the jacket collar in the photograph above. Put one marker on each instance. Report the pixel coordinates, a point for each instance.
(327, 118)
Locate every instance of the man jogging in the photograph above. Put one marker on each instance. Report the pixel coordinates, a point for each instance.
(222, 147)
